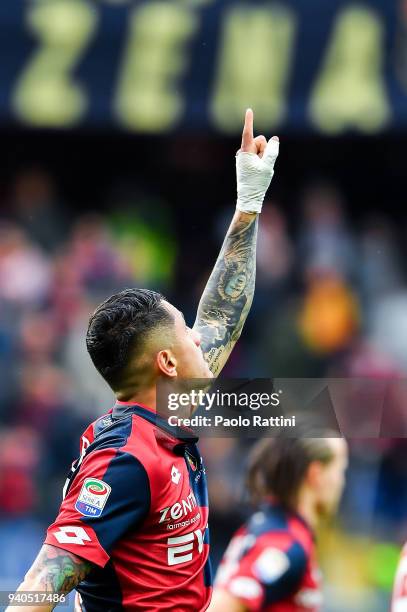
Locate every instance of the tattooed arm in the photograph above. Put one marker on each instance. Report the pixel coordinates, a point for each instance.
(53, 571)
(228, 295)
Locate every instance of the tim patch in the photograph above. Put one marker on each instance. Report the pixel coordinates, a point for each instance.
(93, 497)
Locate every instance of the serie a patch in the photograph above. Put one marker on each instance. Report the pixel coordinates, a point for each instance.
(93, 497)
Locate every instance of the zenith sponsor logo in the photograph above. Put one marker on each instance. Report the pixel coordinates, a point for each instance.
(179, 509)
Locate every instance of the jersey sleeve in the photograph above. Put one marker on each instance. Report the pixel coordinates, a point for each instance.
(109, 495)
(266, 572)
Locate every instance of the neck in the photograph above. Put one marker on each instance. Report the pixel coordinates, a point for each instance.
(148, 397)
(307, 507)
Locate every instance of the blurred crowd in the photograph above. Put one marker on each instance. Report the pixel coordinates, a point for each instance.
(331, 300)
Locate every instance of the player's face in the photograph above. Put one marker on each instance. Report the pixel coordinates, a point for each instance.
(332, 478)
(187, 348)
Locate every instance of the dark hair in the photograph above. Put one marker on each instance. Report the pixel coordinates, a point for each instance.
(277, 466)
(118, 327)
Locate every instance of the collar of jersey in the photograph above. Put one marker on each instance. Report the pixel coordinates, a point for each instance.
(272, 502)
(179, 436)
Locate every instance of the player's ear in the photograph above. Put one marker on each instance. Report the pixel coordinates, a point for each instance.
(167, 363)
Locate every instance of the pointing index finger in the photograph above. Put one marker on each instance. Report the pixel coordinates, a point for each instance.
(247, 136)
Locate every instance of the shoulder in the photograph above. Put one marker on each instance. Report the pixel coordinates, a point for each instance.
(127, 446)
(111, 472)
(110, 433)
(279, 556)
(269, 519)
(280, 526)
(130, 434)
(117, 455)
(278, 547)
(264, 564)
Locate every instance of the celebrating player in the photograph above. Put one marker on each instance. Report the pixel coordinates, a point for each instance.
(132, 530)
(270, 563)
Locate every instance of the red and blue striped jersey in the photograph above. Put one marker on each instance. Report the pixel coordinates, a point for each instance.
(136, 506)
(270, 564)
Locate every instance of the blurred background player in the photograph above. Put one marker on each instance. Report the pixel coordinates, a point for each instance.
(270, 563)
(118, 538)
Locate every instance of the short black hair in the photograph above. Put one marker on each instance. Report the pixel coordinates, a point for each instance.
(118, 327)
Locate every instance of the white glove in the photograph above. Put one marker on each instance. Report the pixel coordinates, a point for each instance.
(254, 173)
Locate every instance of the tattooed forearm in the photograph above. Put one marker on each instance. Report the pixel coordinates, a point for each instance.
(58, 570)
(55, 571)
(228, 294)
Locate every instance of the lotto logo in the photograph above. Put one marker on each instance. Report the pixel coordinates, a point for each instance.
(71, 534)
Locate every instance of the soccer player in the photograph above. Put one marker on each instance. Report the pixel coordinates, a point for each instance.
(132, 530)
(270, 563)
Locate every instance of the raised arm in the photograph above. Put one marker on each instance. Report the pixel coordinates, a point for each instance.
(228, 295)
(54, 571)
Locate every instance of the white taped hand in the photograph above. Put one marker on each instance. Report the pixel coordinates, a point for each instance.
(254, 176)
